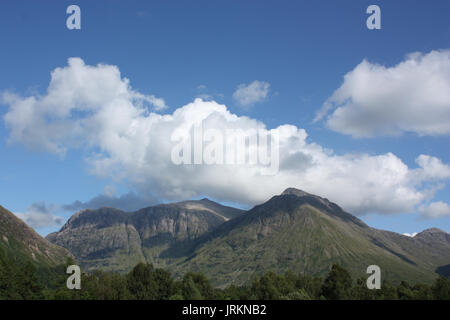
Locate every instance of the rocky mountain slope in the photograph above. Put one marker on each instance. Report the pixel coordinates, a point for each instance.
(23, 243)
(111, 239)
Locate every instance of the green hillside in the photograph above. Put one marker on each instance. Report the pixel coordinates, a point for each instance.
(305, 233)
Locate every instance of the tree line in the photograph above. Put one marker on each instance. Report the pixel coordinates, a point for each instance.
(23, 280)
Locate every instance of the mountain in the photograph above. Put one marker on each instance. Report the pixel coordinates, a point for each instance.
(111, 239)
(307, 233)
(292, 231)
(22, 243)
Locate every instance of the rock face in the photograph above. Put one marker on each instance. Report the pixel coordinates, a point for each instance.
(23, 243)
(111, 239)
(294, 231)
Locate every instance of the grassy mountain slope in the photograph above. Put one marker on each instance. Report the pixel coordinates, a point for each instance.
(306, 233)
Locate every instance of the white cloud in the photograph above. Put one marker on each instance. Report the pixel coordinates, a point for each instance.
(410, 234)
(74, 91)
(126, 202)
(39, 215)
(247, 95)
(126, 141)
(434, 169)
(374, 100)
(437, 209)
(42, 215)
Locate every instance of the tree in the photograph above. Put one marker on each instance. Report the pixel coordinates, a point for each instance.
(405, 291)
(165, 284)
(361, 292)
(388, 292)
(232, 292)
(141, 282)
(5, 283)
(422, 292)
(338, 284)
(299, 294)
(189, 290)
(265, 288)
(312, 285)
(441, 289)
(202, 284)
(28, 284)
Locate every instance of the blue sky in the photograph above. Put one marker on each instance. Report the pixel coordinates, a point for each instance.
(180, 50)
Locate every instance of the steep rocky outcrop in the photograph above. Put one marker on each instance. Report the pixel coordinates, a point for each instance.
(111, 239)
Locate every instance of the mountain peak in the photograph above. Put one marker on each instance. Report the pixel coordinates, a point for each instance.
(432, 231)
(296, 192)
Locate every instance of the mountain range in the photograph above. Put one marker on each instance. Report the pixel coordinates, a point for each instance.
(294, 231)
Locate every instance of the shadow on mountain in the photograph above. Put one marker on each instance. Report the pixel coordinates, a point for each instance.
(381, 245)
(179, 249)
(443, 270)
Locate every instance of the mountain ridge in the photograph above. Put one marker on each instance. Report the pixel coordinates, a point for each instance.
(205, 255)
(116, 240)
(293, 230)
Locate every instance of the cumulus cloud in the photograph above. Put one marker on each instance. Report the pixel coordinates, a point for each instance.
(247, 95)
(375, 100)
(126, 141)
(40, 215)
(437, 209)
(74, 91)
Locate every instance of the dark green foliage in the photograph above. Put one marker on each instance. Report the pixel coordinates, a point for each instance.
(266, 287)
(387, 292)
(197, 282)
(233, 293)
(142, 283)
(189, 290)
(311, 285)
(21, 281)
(166, 287)
(338, 284)
(360, 291)
(28, 284)
(441, 289)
